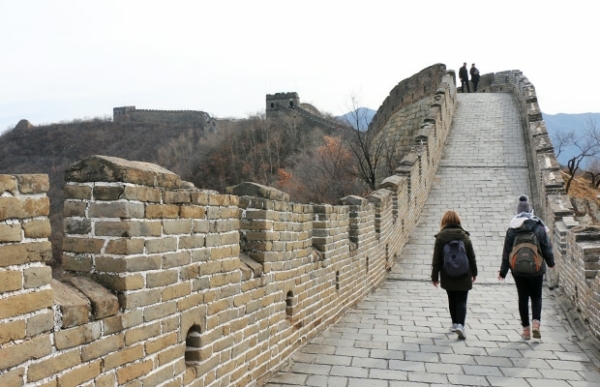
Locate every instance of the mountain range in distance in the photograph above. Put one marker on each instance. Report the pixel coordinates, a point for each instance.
(555, 124)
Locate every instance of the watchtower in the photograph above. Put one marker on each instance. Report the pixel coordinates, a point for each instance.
(279, 101)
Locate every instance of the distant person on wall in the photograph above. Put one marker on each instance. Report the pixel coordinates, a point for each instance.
(527, 241)
(463, 74)
(452, 242)
(474, 77)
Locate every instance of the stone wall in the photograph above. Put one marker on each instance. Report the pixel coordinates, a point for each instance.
(169, 285)
(195, 117)
(576, 248)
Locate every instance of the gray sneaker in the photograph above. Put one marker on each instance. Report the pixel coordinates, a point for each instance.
(453, 328)
(460, 331)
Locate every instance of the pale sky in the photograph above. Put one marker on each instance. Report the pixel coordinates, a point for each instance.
(62, 60)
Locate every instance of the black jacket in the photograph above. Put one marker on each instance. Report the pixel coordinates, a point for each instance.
(463, 74)
(526, 222)
(474, 74)
(447, 234)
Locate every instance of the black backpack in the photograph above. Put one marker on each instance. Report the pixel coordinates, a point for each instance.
(456, 262)
(525, 257)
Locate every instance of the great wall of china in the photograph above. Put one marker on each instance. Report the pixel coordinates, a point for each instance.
(174, 286)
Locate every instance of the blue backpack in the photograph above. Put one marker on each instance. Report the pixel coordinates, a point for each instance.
(456, 262)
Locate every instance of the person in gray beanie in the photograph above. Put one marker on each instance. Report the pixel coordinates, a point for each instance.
(523, 205)
(527, 227)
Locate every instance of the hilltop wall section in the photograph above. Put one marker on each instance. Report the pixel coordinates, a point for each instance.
(576, 247)
(132, 114)
(169, 285)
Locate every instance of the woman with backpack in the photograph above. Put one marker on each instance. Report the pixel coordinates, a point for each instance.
(527, 251)
(454, 264)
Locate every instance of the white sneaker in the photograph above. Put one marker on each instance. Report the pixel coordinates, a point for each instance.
(453, 328)
(460, 331)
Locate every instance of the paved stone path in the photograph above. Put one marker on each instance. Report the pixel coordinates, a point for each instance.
(398, 336)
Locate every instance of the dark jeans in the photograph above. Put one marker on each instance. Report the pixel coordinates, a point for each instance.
(475, 85)
(529, 288)
(457, 303)
(462, 86)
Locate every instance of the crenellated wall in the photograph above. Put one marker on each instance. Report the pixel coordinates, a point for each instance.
(167, 284)
(576, 248)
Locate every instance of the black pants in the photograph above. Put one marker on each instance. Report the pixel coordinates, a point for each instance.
(457, 303)
(475, 85)
(529, 288)
(462, 86)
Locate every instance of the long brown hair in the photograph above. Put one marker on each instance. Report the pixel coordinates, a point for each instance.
(450, 217)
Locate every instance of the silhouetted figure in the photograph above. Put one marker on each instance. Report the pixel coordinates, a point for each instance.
(463, 74)
(474, 76)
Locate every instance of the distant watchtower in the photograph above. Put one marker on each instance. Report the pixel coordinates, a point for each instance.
(122, 113)
(280, 101)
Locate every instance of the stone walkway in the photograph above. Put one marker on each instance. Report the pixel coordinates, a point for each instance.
(398, 336)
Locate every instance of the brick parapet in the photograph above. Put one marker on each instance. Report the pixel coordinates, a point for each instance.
(26, 297)
(576, 248)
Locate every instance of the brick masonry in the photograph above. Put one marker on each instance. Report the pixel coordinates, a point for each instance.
(166, 284)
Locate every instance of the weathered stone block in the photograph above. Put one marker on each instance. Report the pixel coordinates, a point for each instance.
(162, 211)
(103, 192)
(35, 277)
(12, 330)
(125, 246)
(20, 304)
(121, 210)
(192, 212)
(176, 291)
(74, 308)
(82, 245)
(33, 184)
(10, 280)
(177, 226)
(40, 323)
(102, 347)
(53, 365)
(128, 228)
(80, 192)
(32, 208)
(73, 337)
(191, 242)
(176, 259)
(161, 245)
(10, 233)
(144, 333)
(159, 311)
(8, 184)
(15, 354)
(76, 262)
(75, 209)
(103, 302)
(37, 229)
(78, 376)
(161, 278)
(10, 208)
(133, 371)
(113, 169)
(177, 197)
(115, 282)
(124, 356)
(143, 194)
(13, 378)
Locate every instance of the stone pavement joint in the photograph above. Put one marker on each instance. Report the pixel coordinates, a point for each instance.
(398, 335)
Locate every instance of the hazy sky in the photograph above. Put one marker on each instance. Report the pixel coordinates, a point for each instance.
(62, 60)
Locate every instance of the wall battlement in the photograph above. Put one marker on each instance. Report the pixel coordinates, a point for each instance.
(132, 114)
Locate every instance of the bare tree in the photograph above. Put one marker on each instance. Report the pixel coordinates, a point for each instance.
(374, 154)
(586, 144)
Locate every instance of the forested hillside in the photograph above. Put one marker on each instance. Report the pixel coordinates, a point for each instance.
(309, 162)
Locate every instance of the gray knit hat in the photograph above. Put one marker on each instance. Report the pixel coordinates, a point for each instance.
(523, 205)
